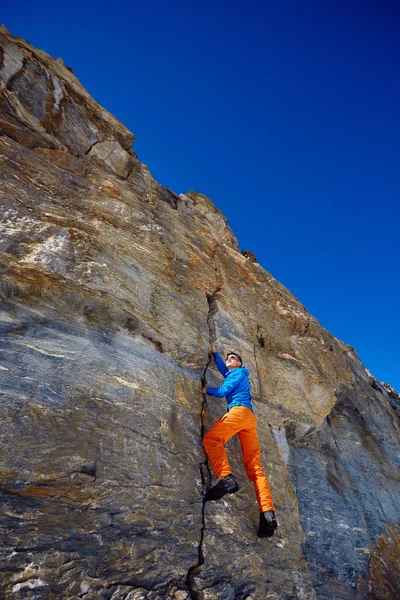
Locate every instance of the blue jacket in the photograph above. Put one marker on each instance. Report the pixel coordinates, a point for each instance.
(236, 386)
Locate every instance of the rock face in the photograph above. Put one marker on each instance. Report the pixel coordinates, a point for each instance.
(112, 288)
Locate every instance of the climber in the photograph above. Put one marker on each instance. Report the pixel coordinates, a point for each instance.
(239, 419)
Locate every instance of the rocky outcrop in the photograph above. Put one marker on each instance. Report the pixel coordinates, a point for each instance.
(112, 288)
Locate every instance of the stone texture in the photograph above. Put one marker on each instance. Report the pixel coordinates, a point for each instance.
(112, 287)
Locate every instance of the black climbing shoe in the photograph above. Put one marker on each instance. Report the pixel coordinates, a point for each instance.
(226, 485)
(268, 524)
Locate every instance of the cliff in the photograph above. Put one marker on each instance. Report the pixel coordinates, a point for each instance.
(112, 287)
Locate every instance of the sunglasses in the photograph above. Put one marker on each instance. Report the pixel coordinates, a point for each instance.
(232, 356)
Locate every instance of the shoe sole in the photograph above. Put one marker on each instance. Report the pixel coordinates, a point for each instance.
(219, 496)
(267, 532)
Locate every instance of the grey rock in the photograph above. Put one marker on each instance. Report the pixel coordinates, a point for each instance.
(111, 289)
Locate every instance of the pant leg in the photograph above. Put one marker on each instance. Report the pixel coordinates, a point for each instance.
(216, 438)
(252, 462)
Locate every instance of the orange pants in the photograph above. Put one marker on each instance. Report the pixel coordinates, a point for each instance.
(240, 420)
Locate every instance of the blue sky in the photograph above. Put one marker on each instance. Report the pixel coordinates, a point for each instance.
(285, 113)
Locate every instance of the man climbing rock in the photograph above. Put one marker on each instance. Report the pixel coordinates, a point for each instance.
(239, 419)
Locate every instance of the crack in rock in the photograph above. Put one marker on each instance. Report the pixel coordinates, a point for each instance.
(258, 371)
(212, 311)
(217, 269)
(205, 472)
(91, 146)
(307, 327)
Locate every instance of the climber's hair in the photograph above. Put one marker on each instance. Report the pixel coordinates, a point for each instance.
(237, 356)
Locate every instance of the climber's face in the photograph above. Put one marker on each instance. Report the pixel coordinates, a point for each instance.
(232, 361)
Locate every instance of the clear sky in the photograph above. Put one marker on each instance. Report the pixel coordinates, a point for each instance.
(285, 113)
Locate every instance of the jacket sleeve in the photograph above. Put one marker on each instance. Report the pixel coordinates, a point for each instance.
(222, 368)
(228, 385)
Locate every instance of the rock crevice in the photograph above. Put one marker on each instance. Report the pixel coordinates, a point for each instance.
(205, 471)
